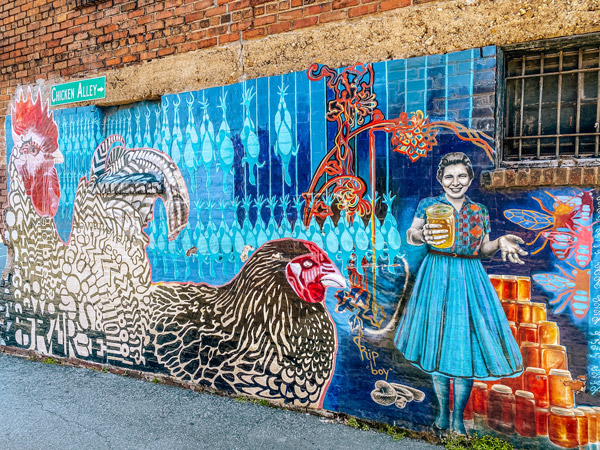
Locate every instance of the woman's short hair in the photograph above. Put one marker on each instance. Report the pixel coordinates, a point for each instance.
(452, 159)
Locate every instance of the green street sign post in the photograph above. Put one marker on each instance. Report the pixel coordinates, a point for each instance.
(78, 91)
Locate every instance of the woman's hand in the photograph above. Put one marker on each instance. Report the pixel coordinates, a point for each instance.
(509, 248)
(433, 235)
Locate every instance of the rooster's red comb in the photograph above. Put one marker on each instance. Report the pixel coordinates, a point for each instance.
(31, 117)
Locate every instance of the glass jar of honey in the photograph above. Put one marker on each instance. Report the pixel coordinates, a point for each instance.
(510, 310)
(528, 332)
(514, 330)
(523, 312)
(582, 427)
(443, 215)
(509, 287)
(525, 422)
(531, 354)
(597, 413)
(562, 427)
(541, 418)
(548, 333)
(553, 357)
(468, 412)
(535, 380)
(515, 383)
(496, 281)
(479, 395)
(559, 393)
(501, 409)
(592, 420)
(538, 312)
(523, 288)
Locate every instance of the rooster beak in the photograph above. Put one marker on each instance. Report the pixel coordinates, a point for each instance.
(58, 157)
(334, 280)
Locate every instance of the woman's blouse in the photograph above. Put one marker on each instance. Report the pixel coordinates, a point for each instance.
(472, 223)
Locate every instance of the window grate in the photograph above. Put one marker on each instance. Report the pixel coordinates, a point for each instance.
(552, 106)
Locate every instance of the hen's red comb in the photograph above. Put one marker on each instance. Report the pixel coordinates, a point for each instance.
(33, 117)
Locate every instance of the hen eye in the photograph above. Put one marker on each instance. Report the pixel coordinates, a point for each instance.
(307, 264)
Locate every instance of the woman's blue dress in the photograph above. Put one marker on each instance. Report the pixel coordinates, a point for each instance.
(454, 324)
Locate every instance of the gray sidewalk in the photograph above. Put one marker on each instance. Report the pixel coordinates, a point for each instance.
(45, 406)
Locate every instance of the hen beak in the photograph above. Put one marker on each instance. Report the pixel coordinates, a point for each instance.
(57, 157)
(334, 280)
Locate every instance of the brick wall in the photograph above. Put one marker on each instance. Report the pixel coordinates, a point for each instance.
(49, 39)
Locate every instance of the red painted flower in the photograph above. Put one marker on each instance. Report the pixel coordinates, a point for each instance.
(349, 195)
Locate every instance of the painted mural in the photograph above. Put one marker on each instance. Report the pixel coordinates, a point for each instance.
(314, 244)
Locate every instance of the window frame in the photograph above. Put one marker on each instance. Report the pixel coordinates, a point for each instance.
(502, 55)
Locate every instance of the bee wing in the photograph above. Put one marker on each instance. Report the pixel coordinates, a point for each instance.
(554, 283)
(530, 220)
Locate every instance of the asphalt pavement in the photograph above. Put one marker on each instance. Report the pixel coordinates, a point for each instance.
(49, 406)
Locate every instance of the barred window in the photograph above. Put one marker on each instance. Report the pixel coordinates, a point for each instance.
(551, 101)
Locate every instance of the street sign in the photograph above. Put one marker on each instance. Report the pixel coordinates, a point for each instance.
(78, 91)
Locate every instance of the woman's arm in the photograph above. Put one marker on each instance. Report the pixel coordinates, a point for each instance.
(508, 246)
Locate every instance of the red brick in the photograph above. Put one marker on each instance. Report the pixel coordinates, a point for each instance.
(241, 26)
(216, 11)
(393, 4)
(290, 15)
(341, 4)
(241, 4)
(266, 20)
(136, 30)
(226, 38)
(257, 32)
(136, 13)
(211, 42)
(279, 27)
(67, 40)
(203, 4)
(129, 6)
(164, 14)
(362, 10)
(147, 55)
(306, 22)
(113, 61)
(186, 47)
(145, 19)
(176, 40)
(159, 24)
(317, 9)
(193, 17)
(173, 21)
(166, 51)
(217, 31)
(331, 16)
(129, 59)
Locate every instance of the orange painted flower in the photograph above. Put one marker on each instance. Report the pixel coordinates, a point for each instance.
(414, 137)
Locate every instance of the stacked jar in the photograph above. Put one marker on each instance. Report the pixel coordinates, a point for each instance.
(541, 399)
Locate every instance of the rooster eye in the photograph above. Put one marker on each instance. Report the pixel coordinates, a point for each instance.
(307, 264)
(30, 148)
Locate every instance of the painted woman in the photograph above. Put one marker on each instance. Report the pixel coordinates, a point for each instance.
(453, 326)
